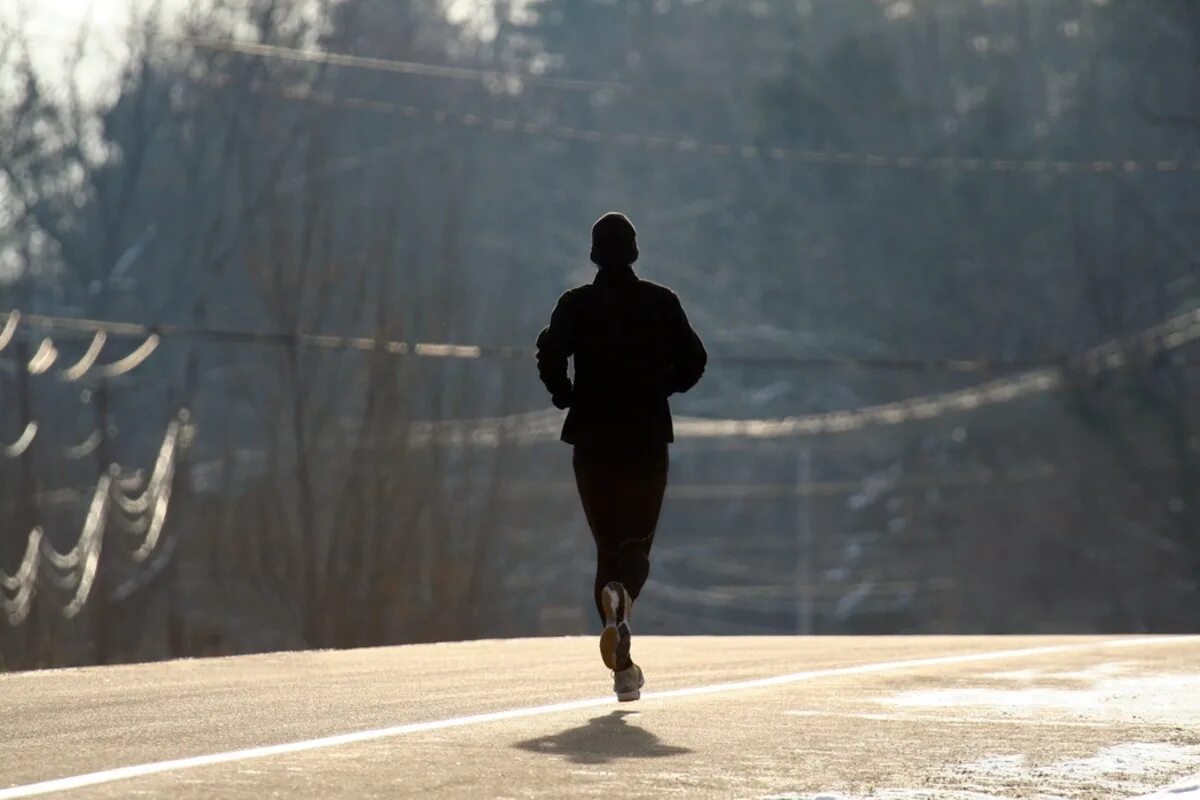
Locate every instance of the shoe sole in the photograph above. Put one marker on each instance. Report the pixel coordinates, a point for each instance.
(615, 638)
(636, 694)
(608, 646)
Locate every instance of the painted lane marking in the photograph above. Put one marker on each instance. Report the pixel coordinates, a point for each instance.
(153, 768)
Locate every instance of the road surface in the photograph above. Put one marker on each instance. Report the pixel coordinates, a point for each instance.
(878, 718)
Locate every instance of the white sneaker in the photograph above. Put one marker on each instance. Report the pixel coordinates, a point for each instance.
(615, 638)
(628, 683)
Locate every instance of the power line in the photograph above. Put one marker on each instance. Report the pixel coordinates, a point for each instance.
(1170, 334)
(85, 448)
(689, 145)
(664, 142)
(142, 518)
(153, 334)
(538, 426)
(394, 66)
(87, 360)
(834, 488)
(24, 439)
(47, 352)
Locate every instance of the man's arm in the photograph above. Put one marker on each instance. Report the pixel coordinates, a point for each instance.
(688, 357)
(555, 344)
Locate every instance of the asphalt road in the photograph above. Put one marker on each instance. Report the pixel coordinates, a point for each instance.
(888, 718)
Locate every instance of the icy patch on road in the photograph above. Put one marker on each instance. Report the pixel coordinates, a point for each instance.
(1186, 789)
(1103, 693)
(1125, 770)
(1089, 674)
(1118, 694)
(896, 794)
(1120, 771)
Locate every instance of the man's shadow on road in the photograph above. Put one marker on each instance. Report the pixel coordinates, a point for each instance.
(603, 739)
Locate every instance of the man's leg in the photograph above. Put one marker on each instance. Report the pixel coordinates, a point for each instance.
(646, 482)
(604, 474)
(606, 573)
(601, 505)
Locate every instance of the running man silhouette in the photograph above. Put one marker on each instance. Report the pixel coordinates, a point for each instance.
(633, 347)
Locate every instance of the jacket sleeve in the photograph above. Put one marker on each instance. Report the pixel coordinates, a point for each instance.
(688, 356)
(555, 344)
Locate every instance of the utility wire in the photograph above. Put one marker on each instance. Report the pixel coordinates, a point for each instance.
(838, 488)
(153, 334)
(75, 570)
(1145, 346)
(405, 67)
(690, 145)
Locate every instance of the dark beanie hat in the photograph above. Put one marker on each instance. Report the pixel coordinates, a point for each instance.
(614, 241)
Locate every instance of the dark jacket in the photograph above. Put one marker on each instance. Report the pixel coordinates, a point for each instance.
(633, 347)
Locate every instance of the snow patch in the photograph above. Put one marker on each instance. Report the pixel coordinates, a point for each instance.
(1114, 692)
(1091, 673)
(1102, 693)
(894, 794)
(1124, 770)
(1186, 789)
(1119, 771)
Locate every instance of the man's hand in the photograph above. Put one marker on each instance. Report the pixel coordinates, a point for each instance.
(555, 344)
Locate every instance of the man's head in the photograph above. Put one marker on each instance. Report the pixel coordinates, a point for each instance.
(614, 241)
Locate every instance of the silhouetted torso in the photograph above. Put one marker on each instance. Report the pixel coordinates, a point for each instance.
(633, 347)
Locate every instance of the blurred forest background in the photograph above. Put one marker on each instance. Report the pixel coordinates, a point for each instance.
(852, 197)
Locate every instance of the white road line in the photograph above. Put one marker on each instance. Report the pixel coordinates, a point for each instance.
(140, 770)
